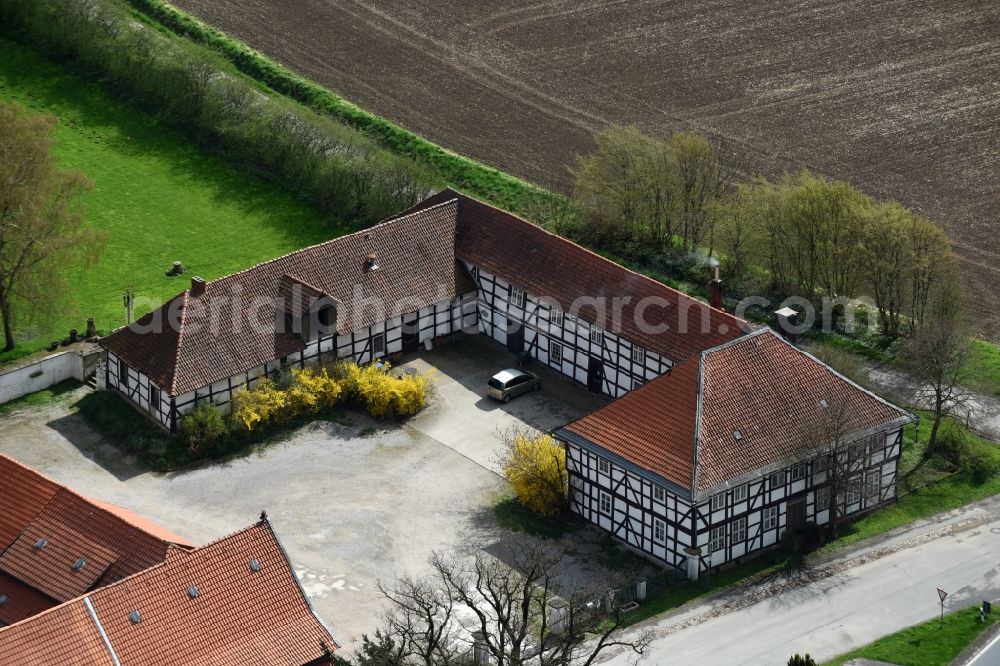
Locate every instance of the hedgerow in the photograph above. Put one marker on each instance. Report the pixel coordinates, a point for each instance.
(337, 166)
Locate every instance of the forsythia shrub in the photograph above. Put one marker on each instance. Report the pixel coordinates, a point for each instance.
(312, 391)
(381, 393)
(259, 405)
(535, 467)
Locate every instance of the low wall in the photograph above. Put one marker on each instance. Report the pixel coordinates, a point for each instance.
(47, 372)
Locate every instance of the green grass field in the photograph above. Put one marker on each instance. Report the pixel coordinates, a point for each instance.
(929, 644)
(160, 198)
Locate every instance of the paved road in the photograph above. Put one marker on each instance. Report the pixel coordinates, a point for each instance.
(989, 655)
(844, 603)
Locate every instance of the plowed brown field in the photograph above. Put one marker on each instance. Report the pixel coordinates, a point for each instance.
(902, 98)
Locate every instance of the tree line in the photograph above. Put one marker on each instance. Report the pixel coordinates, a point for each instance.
(336, 166)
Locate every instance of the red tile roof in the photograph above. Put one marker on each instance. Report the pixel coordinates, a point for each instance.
(23, 601)
(239, 616)
(114, 542)
(185, 351)
(549, 266)
(761, 386)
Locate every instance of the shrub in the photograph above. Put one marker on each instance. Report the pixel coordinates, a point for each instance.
(203, 429)
(312, 391)
(800, 660)
(535, 466)
(381, 394)
(260, 405)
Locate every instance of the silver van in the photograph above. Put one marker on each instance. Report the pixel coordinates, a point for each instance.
(510, 383)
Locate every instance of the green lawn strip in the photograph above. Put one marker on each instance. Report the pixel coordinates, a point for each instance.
(40, 398)
(159, 197)
(984, 367)
(932, 643)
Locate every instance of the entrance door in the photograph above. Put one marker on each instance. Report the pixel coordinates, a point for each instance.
(796, 518)
(595, 375)
(411, 333)
(515, 337)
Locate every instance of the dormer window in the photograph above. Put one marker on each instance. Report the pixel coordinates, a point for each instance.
(371, 262)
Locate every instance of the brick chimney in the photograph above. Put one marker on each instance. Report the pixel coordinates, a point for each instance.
(197, 286)
(715, 288)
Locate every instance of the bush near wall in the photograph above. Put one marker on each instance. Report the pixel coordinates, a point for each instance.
(380, 393)
(189, 85)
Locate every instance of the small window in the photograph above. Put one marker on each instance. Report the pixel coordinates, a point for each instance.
(738, 531)
(154, 399)
(798, 472)
(638, 355)
(603, 466)
(822, 498)
(856, 450)
(555, 352)
(777, 479)
(819, 464)
(659, 531)
(517, 297)
(854, 490)
(378, 345)
(556, 317)
(719, 501)
(659, 494)
(740, 493)
(605, 503)
(597, 335)
(636, 383)
(122, 373)
(717, 539)
(873, 486)
(770, 518)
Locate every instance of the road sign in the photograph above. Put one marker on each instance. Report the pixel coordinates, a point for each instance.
(942, 595)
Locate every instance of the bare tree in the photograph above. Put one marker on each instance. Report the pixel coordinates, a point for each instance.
(512, 606)
(41, 227)
(937, 354)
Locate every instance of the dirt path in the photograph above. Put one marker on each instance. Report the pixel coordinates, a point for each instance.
(901, 99)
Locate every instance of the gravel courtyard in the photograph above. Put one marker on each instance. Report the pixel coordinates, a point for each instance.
(354, 501)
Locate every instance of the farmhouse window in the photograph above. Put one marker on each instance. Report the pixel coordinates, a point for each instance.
(854, 489)
(873, 484)
(717, 539)
(638, 355)
(777, 479)
(770, 519)
(659, 530)
(603, 466)
(798, 471)
(718, 501)
(556, 317)
(378, 345)
(738, 530)
(596, 335)
(740, 493)
(822, 498)
(659, 494)
(122, 373)
(856, 450)
(605, 503)
(636, 383)
(517, 297)
(154, 399)
(555, 352)
(819, 464)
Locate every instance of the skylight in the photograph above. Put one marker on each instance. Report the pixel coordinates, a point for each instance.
(79, 564)
(135, 617)
(41, 543)
(192, 591)
(737, 435)
(254, 566)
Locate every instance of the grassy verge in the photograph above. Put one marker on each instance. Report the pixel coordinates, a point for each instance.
(932, 643)
(40, 398)
(159, 197)
(984, 367)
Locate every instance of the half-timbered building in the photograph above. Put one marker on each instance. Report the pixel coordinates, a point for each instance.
(732, 449)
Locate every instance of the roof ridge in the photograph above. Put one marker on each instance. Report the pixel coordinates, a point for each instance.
(383, 223)
(736, 341)
(602, 258)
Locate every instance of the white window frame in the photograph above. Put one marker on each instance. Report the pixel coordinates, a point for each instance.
(659, 493)
(659, 530)
(555, 317)
(717, 539)
(555, 352)
(854, 489)
(769, 518)
(605, 503)
(873, 485)
(378, 345)
(638, 355)
(775, 479)
(596, 334)
(718, 501)
(822, 498)
(518, 297)
(740, 493)
(604, 466)
(798, 472)
(738, 530)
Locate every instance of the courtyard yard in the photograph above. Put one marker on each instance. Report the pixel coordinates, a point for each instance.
(355, 501)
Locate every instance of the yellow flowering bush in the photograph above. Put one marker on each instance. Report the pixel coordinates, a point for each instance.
(312, 391)
(535, 466)
(382, 394)
(259, 405)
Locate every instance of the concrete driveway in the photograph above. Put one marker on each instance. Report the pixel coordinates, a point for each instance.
(354, 501)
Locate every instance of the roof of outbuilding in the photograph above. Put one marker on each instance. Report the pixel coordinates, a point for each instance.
(239, 615)
(192, 341)
(682, 426)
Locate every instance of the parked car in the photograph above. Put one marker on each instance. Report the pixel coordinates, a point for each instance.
(510, 383)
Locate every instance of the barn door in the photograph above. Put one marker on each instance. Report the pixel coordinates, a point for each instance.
(515, 337)
(595, 375)
(411, 333)
(796, 519)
